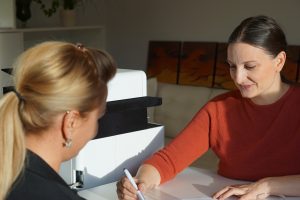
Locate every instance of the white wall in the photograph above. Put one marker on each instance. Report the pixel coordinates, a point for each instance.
(132, 23)
(7, 15)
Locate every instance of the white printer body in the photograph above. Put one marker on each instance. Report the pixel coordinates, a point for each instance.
(102, 160)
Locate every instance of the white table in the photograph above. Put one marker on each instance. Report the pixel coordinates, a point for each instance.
(191, 184)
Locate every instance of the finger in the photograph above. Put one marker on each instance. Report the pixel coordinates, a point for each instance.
(142, 187)
(124, 188)
(126, 184)
(139, 183)
(126, 195)
(222, 191)
(232, 192)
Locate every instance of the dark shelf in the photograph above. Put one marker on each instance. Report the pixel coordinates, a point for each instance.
(8, 70)
(7, 89)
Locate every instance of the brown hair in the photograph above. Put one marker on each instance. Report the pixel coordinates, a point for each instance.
(260, 31)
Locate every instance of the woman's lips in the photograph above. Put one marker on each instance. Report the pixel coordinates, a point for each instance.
(245, 87)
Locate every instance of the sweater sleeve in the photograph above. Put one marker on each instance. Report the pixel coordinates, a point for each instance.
(188, 145)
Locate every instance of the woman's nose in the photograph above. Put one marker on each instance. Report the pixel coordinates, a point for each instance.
(240, 75)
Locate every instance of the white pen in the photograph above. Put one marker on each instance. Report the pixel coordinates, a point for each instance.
(139, 193)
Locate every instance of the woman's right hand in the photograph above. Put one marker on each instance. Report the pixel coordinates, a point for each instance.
(146, 178)
(126, 191)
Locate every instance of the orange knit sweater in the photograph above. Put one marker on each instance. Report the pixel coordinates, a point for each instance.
(251, 141)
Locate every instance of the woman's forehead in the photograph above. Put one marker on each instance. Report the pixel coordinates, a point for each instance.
(244, 51)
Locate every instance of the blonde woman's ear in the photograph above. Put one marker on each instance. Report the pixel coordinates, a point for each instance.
(69, 124)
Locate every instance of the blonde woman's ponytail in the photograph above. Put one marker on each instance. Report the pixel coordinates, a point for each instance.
(12, 142)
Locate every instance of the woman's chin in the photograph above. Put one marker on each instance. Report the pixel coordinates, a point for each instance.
(247, 93)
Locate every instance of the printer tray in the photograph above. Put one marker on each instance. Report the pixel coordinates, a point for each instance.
(126, 115)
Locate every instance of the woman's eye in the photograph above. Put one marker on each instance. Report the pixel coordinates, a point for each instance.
(231, 67)
(249, 67)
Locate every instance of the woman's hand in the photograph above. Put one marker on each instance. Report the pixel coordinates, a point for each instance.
(126, 191)
(146, 178)
(253, 191)
(278, 186)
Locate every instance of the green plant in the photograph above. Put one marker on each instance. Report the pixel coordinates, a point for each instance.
(66, 4)
(48, 11)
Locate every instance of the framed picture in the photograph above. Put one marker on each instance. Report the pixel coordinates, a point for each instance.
(163, 61)
(289, 70)
(197, 62)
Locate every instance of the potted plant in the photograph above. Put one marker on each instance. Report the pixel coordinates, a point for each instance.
(23, 11)
(68, 15)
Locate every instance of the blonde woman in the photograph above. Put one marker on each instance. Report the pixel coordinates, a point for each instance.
(60, 93)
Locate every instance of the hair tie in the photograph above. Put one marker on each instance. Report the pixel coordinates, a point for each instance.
(80, 46)
(18, 95)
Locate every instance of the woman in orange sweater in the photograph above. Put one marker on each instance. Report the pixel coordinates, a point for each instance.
(249, 129)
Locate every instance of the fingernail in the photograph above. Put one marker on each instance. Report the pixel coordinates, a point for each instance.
(142, 187)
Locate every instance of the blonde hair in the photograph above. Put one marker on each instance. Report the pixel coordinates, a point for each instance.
(50, 78)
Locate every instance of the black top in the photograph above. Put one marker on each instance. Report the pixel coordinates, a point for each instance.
(40, 182)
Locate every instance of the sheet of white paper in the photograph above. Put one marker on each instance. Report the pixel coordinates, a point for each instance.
(191, 184)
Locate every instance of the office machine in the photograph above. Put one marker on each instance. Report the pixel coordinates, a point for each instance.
(124, 139)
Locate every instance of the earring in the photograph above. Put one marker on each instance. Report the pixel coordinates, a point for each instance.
(68, 143)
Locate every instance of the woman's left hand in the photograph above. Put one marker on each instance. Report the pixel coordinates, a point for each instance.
(253, 191)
